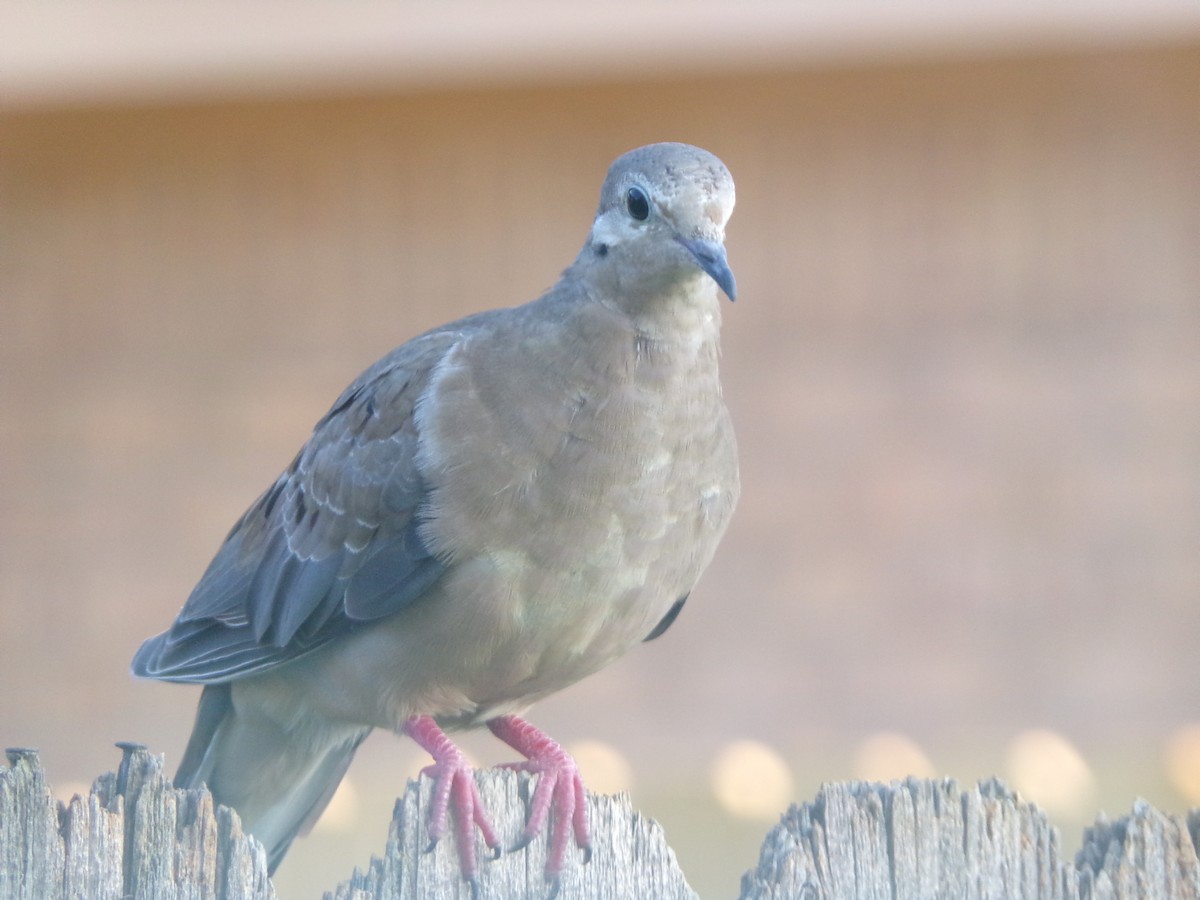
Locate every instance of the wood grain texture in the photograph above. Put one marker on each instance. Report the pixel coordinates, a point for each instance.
(630, 854)
(930, 839)
(135, 836)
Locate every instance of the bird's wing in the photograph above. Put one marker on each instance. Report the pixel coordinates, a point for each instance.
(332, 544)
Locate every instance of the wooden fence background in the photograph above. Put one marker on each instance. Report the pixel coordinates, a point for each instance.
(135, 836)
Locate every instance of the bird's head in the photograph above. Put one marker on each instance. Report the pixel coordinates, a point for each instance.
(661, 222)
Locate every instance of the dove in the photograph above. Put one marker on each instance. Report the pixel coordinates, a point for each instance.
(491, 512)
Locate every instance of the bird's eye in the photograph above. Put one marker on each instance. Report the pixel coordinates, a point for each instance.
(638, 204)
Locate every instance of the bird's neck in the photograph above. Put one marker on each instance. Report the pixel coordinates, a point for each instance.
(669, 306)
(680, 314)
(684, 324)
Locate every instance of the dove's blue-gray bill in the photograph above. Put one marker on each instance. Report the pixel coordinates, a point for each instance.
(491, 512)
(710, 256)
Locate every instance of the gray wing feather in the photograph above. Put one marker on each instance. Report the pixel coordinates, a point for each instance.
(334, 543)
(398, 571)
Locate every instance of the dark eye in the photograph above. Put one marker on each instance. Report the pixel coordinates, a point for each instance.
(638, 204)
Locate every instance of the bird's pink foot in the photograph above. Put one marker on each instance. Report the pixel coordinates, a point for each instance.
(454, 786)
(559, 790)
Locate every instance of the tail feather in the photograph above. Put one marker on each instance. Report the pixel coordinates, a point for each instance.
(216, 702)
(278, 780)
(295, 815)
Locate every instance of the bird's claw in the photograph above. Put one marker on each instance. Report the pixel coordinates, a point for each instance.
(558, 799)
(453, 788)
(559, 790)
(558, 804)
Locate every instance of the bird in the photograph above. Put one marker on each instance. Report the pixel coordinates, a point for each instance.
(494, 510)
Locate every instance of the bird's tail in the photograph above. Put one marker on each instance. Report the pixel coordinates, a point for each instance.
(279, 781)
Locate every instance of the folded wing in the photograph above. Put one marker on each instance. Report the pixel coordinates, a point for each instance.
(333, 544)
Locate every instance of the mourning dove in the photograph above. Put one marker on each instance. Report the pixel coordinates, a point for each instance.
(493, 511)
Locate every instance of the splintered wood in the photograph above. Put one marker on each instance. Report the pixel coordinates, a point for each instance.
(135, 836)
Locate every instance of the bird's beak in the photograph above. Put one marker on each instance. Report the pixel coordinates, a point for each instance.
(710, 256)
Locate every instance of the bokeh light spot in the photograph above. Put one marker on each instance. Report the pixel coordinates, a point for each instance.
(605, 770)
(1047, 769)
(1183, 762)
(889, 756)
(342, 811)
(751, 780)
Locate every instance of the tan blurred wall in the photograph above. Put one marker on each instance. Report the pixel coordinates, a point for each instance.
(965, 366)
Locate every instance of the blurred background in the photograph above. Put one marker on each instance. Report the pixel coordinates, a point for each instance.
(964, 365)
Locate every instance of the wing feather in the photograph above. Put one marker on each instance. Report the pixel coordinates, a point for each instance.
(333, 543)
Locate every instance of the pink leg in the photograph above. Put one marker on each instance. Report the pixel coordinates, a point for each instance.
(559, 786)
(454, 784)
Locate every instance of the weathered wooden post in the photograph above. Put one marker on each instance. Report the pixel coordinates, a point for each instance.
(132, 836)
(930, 839)
(135, 836)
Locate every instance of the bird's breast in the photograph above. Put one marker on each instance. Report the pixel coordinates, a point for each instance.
(588, 498)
